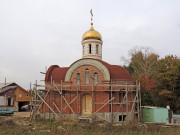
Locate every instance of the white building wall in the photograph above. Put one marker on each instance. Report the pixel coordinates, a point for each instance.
(93, 54)
(3, 101)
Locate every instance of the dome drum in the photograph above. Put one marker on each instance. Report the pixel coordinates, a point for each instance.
(92, 44)
(92, 41)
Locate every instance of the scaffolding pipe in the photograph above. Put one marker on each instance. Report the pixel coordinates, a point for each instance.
(47, 104)
(103, 105)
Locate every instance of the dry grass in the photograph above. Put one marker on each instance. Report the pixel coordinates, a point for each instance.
(12, 126)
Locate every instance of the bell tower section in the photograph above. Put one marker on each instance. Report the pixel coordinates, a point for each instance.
(92, 43)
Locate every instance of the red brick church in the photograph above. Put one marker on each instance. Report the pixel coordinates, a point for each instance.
(90, 88)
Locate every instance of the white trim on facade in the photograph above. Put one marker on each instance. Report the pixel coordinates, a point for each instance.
(92, 62)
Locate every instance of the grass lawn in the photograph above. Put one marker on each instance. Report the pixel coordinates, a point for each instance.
(24, 127)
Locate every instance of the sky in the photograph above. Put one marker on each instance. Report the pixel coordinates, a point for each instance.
(35, 34)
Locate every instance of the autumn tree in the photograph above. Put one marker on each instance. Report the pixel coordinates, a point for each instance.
(143, 66)
(177, 83)
(159, 78)
(167, 78)
(177, 92)
(168, 71)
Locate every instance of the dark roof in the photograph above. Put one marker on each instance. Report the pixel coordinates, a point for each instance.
(8, 88)
(116, 72)
(2, 85)
(57, 73)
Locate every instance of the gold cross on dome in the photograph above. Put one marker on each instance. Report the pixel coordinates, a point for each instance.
(91, 15)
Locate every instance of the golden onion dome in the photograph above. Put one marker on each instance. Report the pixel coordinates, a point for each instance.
(91, 34)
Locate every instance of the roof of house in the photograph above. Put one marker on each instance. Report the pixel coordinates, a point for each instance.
(2, 85)
(117, 72)
(9, 86)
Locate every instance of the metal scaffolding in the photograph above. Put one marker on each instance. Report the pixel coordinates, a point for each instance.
(45, 97)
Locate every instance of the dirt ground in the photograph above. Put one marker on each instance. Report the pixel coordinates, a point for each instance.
(19, 118)
(21, 114)
(20, 124)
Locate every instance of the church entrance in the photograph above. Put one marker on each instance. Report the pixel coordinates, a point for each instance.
(86, 104)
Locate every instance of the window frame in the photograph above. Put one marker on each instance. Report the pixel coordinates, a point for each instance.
(97, 49)
(95, 78)
(78, 78)
(87, 81)
(90, 49)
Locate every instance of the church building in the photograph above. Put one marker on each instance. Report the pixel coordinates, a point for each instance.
(90, 88)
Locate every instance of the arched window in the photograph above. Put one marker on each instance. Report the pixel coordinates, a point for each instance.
(78, 79)
(95, 78)
(89, 48)
(86, 76)
(97, 49)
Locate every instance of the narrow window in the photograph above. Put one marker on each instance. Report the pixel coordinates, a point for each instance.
(89, 48)
(83, 50)
(96, 49)
(95, 78)
(86, 76)
(10, 102)
(78, 79)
